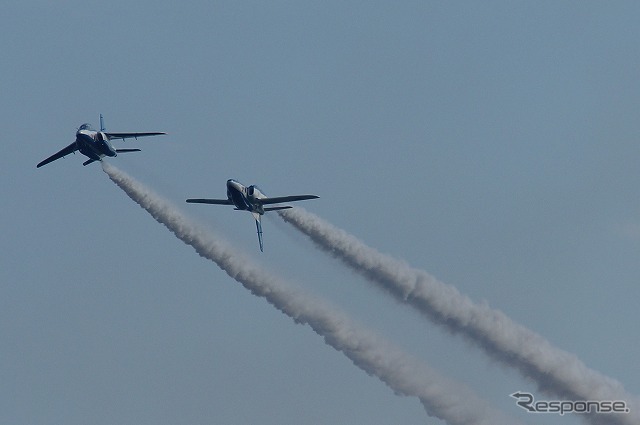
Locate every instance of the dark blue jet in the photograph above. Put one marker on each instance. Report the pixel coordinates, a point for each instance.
(96, 144)
(250, 198)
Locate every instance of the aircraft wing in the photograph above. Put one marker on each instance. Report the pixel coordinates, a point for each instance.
(64, 152)
(132, 135)
(281, 199)
(209, 201)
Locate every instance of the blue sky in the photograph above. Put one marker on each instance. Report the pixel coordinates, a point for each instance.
(493, 145)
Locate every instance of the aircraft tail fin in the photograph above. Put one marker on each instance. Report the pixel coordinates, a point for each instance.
(259, 230)
(127, 150)
(102, 123)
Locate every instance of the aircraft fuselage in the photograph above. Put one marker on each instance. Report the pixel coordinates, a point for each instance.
(245, 197)
(94, 144)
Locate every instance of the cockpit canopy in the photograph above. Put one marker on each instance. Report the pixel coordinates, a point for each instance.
(86, 126)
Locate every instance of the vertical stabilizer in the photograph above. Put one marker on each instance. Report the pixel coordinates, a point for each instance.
(101, 123)
(258, 229)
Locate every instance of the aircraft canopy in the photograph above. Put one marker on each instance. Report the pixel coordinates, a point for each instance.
(86, 126)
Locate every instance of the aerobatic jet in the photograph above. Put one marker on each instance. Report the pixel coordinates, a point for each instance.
(96, 144)
(250, 198)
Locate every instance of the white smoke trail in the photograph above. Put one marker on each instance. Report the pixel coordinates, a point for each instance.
(443, 398)
(554, 370)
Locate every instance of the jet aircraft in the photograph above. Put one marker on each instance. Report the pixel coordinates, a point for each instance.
(250, 198)
(96, 144)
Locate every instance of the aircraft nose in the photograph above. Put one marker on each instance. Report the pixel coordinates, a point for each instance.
(234, 184)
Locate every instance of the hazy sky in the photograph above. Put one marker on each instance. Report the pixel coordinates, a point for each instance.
(492, 144)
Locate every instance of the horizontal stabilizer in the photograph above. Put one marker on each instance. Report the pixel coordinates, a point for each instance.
(88, 162)
(209, 201)
(127, 150)
(286, 207)
(281, 199)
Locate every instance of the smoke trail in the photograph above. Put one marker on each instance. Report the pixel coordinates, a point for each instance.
(554, 370)
(447, 400)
